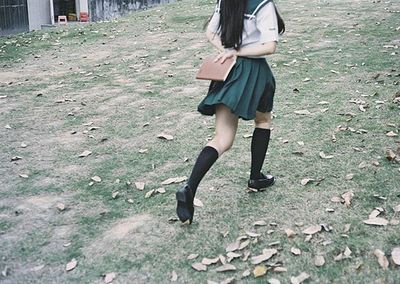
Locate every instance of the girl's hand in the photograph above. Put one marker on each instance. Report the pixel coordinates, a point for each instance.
(226, 55)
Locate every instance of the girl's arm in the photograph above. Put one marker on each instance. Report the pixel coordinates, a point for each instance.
(258, 50)
(215, 40)
(254, 50)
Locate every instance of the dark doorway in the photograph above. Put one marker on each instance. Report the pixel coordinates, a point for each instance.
(13, 16)
(63, 8)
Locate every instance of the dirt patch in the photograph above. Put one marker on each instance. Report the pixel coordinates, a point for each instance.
(124, 227)
(42, 202)
(138, 233)
(11, 76)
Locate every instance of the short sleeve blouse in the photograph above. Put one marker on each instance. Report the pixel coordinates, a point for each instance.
(259, 27)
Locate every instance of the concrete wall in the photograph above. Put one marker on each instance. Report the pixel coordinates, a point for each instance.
(38, 13)
(110, 9)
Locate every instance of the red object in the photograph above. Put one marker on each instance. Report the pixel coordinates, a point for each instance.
(84, 16)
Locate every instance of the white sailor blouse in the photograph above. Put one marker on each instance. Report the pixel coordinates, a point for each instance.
(260, 26)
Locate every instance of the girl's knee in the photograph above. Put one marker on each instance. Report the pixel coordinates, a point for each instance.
(263, 120)
(225, 145)
(221, 144)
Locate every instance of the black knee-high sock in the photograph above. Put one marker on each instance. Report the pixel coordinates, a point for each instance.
(205, 160)
(259, 147)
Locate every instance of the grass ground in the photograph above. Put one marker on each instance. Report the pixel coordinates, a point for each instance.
(111, 88)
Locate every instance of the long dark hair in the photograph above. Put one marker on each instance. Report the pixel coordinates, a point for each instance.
(281, 23)
(232, 19)
(231, 22)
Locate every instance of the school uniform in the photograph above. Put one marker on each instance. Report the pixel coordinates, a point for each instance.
(250, 86)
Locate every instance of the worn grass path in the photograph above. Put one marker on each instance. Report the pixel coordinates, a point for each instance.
(111, 88)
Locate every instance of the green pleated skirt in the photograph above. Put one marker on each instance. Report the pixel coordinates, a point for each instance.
(250, 87)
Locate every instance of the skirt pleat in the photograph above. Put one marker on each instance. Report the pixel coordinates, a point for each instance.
(249, 80)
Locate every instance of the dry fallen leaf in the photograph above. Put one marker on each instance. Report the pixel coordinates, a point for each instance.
(233, 255)
(300, 278)
(225, 267)
(362, 165)
(312, 230)
(222, 259)
(16, 158)
(246, 273)
(255, 235)
(160, 190)
(306, 181)
(382, 260)
(348, 196)
(149, 193)
(246, 255)
(376, 222)
(173, 180)
(228, 280)
(85, 154)
(349, 176)
(60, 206)
(290, 233)
(319, 261)
(140, 185)
(396, 255)
(71, 265)
(390, 155)
(302, 112)
(346, 254)
(5, 272)
(96, 179)
(209, 261)
(273, 281)
(347, 228)
(279, 269)
(396, 209)
(336, 199)
(266, 254)
(233, 246)
(391, 134)
(295, 251)
(115, 194)
(165, 136)
(244, 244)
(375, 213)
(260, 223)
(174, 276)
(324, 156)
(199, 266)
(192, 256)
(197, 202)
(109, 277)
(25, 176)
(259, 271)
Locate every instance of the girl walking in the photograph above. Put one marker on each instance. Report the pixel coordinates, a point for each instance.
(247, 30)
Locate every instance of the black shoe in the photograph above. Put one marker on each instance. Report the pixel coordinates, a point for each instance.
(185, 208)
(260, 184)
